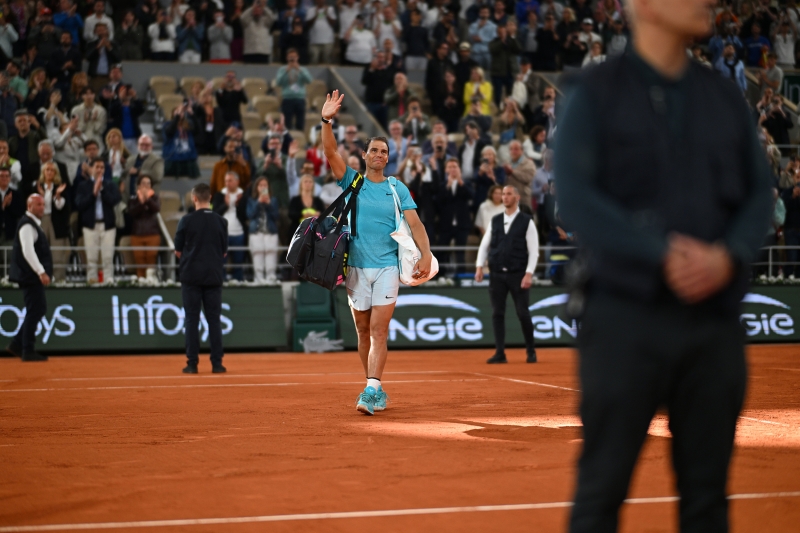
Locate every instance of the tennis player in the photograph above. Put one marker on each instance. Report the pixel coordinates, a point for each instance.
(373, 276)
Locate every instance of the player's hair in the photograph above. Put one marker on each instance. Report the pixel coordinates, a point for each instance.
(384, 140)
(202, 192)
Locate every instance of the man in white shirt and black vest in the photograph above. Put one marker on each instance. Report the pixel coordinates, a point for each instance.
(512, 248)
(31, 268)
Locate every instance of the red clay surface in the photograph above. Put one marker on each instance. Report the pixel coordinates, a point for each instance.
(110, 439)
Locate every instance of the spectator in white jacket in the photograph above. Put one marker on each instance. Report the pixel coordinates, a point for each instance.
(97, 17)
(8, 36)
(69, 147)
(220, 36)
(257, 22)
(91, 117)
(162, 38)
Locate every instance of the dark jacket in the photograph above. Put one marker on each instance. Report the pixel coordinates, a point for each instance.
(116, 115)
(229, 102)
(20, 271)
(10, 215)
(480, 144)
(296, 208)
(455, 206)
(93, 57)
(85, 202)
(55, 67)
(206, 141)
(202, 240)
(34, 136)
(792, 204)
(129, 42)
(219, 206)
(257, 210)
(144, 215)
(376, 83)
(505, 56)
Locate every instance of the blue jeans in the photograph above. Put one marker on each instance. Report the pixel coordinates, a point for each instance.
(237, 258)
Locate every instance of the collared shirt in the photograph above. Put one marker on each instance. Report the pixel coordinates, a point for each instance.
(27, 237)
(234, 226)
(468, 160)
(98, 205)
(531, 239)
(50, 199)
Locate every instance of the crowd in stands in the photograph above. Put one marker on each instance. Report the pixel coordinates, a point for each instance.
(483, 116)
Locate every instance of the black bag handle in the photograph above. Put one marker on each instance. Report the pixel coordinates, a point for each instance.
(339, 203)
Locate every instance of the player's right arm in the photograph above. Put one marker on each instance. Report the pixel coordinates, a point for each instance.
(332, 104)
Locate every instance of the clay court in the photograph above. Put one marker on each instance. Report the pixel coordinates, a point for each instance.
(130, 444)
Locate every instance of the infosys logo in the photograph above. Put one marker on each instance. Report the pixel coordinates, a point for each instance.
(59, 324)
(764, 323)
(468, 328)
(157, 315)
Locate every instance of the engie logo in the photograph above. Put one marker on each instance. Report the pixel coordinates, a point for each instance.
(545, 327)
(57, 324)
(764, 323)
(467, 328)
(154, 315)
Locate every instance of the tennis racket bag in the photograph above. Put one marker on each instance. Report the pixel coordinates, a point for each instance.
(319, 248)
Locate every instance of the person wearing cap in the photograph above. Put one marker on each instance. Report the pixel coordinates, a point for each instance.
(587, 34)
(481, 33)
(98, 16)
(464, 63)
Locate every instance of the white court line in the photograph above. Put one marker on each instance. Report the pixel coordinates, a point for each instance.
(525, 382)
(217, 376)
(354, 514)
(220, 385)
(765, 421)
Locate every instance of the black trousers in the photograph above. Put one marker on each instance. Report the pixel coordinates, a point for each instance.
(35, 309)
(294, 113)
(500, 284)
(635, 358)
(211, 300)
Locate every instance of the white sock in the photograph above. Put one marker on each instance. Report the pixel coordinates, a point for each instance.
(374, 383)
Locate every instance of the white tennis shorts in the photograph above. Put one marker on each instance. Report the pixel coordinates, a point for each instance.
(367, 287)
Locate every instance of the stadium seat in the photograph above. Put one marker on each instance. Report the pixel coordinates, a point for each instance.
(457, 138)
(316, 88)
(312, 119)
(265, 103)
(346, 119)
(218, 81)
(168, 103)
(170, 203)
(253, 139)
(272, 116)
(316, 103)
(254, 87)
(161, 85)
(188, 81)
(302, 141)
(251, 121)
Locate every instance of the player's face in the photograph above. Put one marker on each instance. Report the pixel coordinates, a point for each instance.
(377, 155)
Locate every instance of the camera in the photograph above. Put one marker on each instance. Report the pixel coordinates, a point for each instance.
(484, 161)
(273, 153)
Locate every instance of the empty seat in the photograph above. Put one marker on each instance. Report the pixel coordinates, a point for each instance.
(457, 138)
(271, 117)
(254, 87)
(168, 103)
(316, 102)
(161, 85)
(188, 81)
(312, 119)
(316, 88)
(251, 121)
(170, 203)
(253, 139)
(265, 103)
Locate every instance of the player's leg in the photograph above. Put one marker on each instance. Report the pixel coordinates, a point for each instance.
(361, 319)
(498, 289)
(705, 401)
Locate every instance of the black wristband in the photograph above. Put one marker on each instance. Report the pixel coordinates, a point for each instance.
(325, 120)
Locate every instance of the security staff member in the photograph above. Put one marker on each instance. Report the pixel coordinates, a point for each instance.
(31, 268)
(512, 247)
(661, 176)
(201, 244)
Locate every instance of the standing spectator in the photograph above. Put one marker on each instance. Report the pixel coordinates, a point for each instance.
(455, 221)
(347, 11)
(297, 39)
(446, 30)
(98, 16)
(548, 47)
(162, 38)
(91, 116)
(519, 173)
(180, 152)
(229, 97)
(505, 56)
(361, 44)
(54, 189)
(64, 63)
(470, 152)
(439, 128)
(256, 24)
(535, 145)
(595, 56)
(545, 114)
(777, 122)
(79, 81)
(12, 206)
(101, 54)
(527, 35)
(465, 64)
(617, 42)
(450, 106)
(24, 146)
(387, 27)
(262, 211)
(416, 40)
(377, 80)
(124, 112)
(481, 33)
(540, 188)
(69, 147)
(731, 67)
(292, 79)
(143, 208)
(772, 75)
(791, 226)
(286, 21)
(45, 152)
(551, 8)
(231, 204)
(144, 163)
(434, 74)
(478, 88)
(397, 97)
(232, 162)
(398, 145)
(8, 36)
(208, 123)
(305, 204)
(499, 16)
(321, 25)
(16, 85)
(220, 37)
(116, 154)
(38, 91)
(490, 175)
(189, 38)
(491, 206)
(352, 144)
(129, 38)
(416, 125)
(274, 167)
(235, 21)
(784, 40)
(755, 46)
(95, 200)
(13, 165)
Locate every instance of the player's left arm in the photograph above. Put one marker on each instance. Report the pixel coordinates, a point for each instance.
(421, 239)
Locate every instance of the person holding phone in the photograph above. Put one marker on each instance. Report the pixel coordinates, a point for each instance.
(292, 79)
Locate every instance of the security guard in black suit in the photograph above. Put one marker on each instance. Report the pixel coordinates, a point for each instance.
(662, 178)
(31, 268)
(201, 244)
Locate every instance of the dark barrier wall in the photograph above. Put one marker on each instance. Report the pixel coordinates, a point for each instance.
(112, 320)
(455, 317)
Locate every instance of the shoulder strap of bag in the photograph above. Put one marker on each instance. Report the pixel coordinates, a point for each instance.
(398, 211)
(340, 207)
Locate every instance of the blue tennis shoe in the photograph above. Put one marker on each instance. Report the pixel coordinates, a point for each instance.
(366, 401)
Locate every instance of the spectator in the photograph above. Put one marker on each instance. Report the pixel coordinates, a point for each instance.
(617, 42)
(180, 152)
(321, 25)
(91, 116)
(292, 176)
(499, 16)
(101, 54)
(352, 144)
(292, 79)
(726, 35)
(595, 56)
(31, 60)
(262, 211)
(43, 35)
(296, 39)
(16, 85)
(519, 173)
(387, 27)
(568, 24)
(574, 49)
(416, 40)
(434, 73)
(772, 75)
(69, 147)
(548, 46)
(125, 111)
(784, 40)
(274, 169)
(446, 30)
(478, 88)
(98, 16)
(465, 64)
(256, 24)
(440, 129)
(504, 50)
(13, 206)
(116, 154)
(162, 38)
(394, 62)
(398, 145)
(189, 37)
(526, 36)
(208, 123)
(535, 145)
(475, 114)
(791, 226)
(361, 44)
(756, 46)
(53, 116)
(415, 173)
(146, 12)
(144, 163)
(231, 204)
(316, 156)
(545, 114)
(64, 63)
(232, 162)
(110, 91)
(481, 33)
(235, 20)
(449, 106)
(79, 81)
(143, 208)
(776, 120)
(527, 90)
(46, 152)
(55, 223)
(347, 12)
(129, 38)
(95, 200)
(8, 36)
(397, 97)
(491, 206)
(278, 128)
(38, 91)
(24, 146)
(306, 204)
(551, 8)
(490, 174)
(470, 152)
(416, 125)
(175, 11)
(229, 97)
(455, 221)
(377, 80)
(286, 20)
(731, 67)
(14, 168)
(220, 37)
(8, 106)
(235, 132)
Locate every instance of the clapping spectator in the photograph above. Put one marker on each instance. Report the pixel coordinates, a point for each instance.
(124, 112)
(72, 98)
(519, 173)
(143, 208)
(180, 152)
(545, 114)
(44, 36)
(208, 123)
(731, 67)
(777, 122)
(549, 44)
(189, 37)
(617, 42)
(321, 24)
(491, 206)
(98, 16)
(55, 223)
(480, 89)
(69, 147)
(12, 206)
(257, 22)
(16, 85)
(449, 108)
(8, 37)
(595, 56)
(455, 221)
(102, 55)
(475, 114)
(464, 64)
(91, 116)
(305, 204)
(784, 39)
(95, 200)
(220, 37)
(116, 154)
(145, 162)
(490, 175)
(416, 124)
(469, 154)
(231, 204)
(397, 97)
(235, 20)
(262, 211)
(162, 38)
(45, 151)
(361, 45)
(505, 50)
(439, 128)
(64, 63)
(232, 162)
(292, 79)
(14, 168)
(398, 145)
(416, 40)
(377, 80)
(8, 106)
(414, 173)
(772, 75)
(481, 33)
(229, 98)
(535, 145)
(394, 61)
(38, 91)
(286, 20)
(434, 74)
(129, 38)
(387, 27)
(24, 147)
(297, 39)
